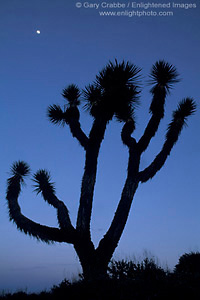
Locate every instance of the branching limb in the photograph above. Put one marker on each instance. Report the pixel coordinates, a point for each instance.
(69, 116)
(185, 109)
(41, 232)
(89, 177)
(154, 122)
(72, 118)
(163, 76)
(46, 188)
(127, 130)
(110, 241)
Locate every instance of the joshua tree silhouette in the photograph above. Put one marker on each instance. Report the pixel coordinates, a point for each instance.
(113, 95)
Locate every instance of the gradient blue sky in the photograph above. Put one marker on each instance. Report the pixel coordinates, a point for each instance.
(73, 46)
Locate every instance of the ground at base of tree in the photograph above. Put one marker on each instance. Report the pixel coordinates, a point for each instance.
(129, 280)
(115, 289)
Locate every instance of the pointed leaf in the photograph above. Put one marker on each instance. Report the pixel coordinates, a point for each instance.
(43, 182)
(163, 74)
(56, 114)
(72, 94)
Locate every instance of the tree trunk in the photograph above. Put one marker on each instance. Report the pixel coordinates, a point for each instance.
(94, 266)
(95, 271)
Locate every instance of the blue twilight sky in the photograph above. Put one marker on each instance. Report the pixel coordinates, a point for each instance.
(74, 44)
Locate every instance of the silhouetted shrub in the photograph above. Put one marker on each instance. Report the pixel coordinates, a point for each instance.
(189, 263)
(146, 269)
(145, 278)
(187, 274)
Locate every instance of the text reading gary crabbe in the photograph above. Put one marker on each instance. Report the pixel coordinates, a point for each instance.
(143, 5)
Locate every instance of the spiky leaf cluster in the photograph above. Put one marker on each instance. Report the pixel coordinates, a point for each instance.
(55, 114)
(43, 182)
(61, 117)
(163, 74)
(19, 170)
(72, 95)
(185, 108)
(115, 92)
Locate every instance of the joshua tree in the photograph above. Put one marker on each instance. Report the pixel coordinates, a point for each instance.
(113, 95)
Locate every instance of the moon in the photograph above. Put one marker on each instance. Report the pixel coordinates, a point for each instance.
(38, 31)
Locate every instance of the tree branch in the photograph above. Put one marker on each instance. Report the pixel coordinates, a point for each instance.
(70, 116)
(110, 241)
(185, 108)
(72, 119)
(157, 164)
(46, 188)
(41, 232)
(157, 114)
(127, 130)
(162, 76)
(89, 177)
